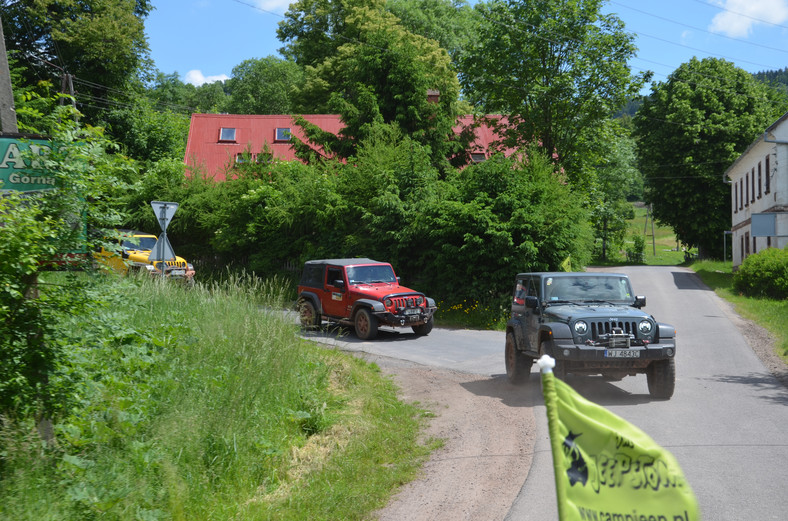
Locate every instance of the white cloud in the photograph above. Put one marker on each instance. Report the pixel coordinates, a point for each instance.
(277, 6)
(740, 16)
(197, 78)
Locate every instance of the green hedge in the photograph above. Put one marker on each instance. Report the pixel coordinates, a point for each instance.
(764, 274)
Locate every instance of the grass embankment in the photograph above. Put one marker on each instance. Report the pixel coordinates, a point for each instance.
(205, 404)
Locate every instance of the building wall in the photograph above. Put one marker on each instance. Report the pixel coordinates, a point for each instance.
(759, 184)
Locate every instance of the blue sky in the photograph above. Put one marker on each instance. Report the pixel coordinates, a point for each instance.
(202, 40)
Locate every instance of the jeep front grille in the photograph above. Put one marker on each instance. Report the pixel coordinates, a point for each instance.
(405, 302)
(605, 328)
(171, 264)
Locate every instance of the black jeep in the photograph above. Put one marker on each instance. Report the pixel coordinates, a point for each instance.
(590, 323)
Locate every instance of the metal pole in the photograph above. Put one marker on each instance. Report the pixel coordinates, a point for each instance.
(7, 111)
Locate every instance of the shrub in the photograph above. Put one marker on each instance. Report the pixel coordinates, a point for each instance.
(764, 274)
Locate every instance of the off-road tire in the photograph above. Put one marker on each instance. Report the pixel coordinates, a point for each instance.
(308, 314)
(518, 364)
(366, 324)
(423, 329)
(661, 377)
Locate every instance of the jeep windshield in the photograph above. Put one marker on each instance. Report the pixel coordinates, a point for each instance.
(139, 243)
(587, 289)
(382, 273)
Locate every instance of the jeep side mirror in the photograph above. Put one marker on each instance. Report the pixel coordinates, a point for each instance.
(339, 283)
(640, 301)
(531, 302)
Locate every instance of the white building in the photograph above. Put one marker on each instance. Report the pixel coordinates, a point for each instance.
(759, 192)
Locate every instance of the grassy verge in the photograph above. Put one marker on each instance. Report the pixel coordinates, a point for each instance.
(768, 313)
(205, 404)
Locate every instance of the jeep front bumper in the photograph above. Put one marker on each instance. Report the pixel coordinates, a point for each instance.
(406, 318)
(607, 357)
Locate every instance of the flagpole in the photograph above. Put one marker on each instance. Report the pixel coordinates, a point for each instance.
(546, 365)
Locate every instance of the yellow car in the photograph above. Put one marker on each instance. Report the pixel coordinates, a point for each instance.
(133, 253)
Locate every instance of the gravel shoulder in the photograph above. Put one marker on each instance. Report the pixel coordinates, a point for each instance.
(489, 430)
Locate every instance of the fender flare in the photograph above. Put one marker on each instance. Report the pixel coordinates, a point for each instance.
(313, 298)
(375, 305)
(552, 331)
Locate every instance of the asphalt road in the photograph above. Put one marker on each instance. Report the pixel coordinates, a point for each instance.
(727, 423)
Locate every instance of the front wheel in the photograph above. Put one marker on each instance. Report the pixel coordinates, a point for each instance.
(661, 377)
(366, 324)
(518, 364)
(423, 329)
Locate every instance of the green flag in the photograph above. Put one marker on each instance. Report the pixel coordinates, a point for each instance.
(606, 468)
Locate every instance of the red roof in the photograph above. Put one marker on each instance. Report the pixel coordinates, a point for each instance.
(213, 151)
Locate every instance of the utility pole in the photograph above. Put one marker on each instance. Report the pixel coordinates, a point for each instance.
(7, 111)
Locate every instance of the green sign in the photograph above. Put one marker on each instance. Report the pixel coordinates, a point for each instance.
(23, 174)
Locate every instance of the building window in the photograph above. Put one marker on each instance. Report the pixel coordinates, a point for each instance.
(752, 180)
(759, 180)
(746, 243)
(754, 245)
(478, 157)
(747, 190)
(768, 176)
(735, 198)
(282, 134)
(741, 192)
(239, 158)
(741, 247)
(226, 134)
(768, 242)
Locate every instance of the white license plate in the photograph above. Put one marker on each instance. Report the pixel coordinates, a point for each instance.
(412, 311)
(178, 272)
(622, 353)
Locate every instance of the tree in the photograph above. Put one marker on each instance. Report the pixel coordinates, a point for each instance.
(264, 86)
(690, 129)
(386, 75)
(557, 68)
(616, 179)
(451, 23)
(313, 30)
(100, 42)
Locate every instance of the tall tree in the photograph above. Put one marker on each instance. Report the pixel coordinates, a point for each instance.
(451, 23)
(264, 86)
(386, 75)
(690, 129)
(558, 68)
(313, 30)
(100, 42)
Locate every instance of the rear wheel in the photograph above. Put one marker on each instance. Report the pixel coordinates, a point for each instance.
(308, 314)
(661, 377)
(518, 364)
(423, 329)
(366, 324)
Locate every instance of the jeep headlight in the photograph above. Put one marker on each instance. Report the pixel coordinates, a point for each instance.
(387, 302)
(581, 327)
(419, 301)
(645, 327)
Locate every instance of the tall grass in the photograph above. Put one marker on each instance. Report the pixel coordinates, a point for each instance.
(205, 404)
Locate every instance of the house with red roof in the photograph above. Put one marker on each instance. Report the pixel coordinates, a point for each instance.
(217, 142)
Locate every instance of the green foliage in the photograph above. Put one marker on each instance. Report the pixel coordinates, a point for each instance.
(451, 23)
(557, 68)
(36, 229)
(637, 252)
(264, 86)
(147, 132)
(690, 129)
(764, 274)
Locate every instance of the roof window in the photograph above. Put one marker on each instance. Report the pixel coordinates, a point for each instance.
(282, 134)
(226, 134)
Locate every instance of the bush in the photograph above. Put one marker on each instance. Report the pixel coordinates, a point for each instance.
(764, 274)
(637, 252)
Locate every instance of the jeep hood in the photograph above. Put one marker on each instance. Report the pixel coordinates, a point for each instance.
(382, 289)
(143, 255)
(567, 312)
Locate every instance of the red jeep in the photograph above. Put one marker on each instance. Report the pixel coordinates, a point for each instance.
(363, 293)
